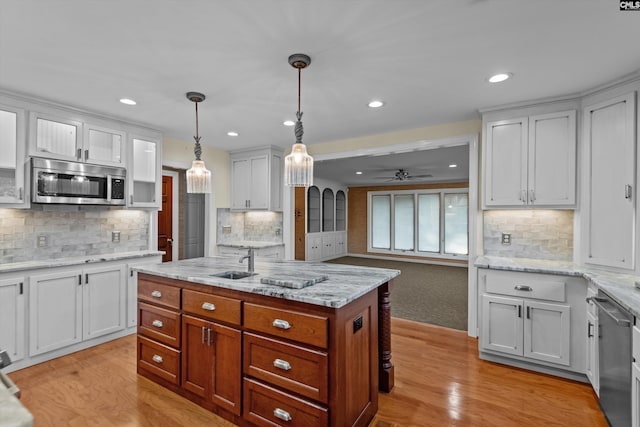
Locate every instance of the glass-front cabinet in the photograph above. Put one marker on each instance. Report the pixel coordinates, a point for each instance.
(341, 211)
(143, 171)
(55, 137)
(103, 145)
(327, 210)
(313, 210)
(12, 161)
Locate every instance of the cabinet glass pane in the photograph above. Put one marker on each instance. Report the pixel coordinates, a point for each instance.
(456, 207)
(403, 222)
(8, 145)
(341, 206)
(313, 209)
(381, 222)
(56, 137)
(144, 171)
(105, 146)
(327, 210)
(429, 222)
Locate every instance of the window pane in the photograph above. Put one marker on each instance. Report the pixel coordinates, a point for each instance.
(403, 222)
(455, 223)
(429, 222)
(381, 222)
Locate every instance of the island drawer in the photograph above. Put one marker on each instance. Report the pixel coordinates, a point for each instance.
(528, 285)
(159, 293)
(293, 325)
(294, 368)
(266, 406)
(159, 359)
(211, 306)
(159, 324)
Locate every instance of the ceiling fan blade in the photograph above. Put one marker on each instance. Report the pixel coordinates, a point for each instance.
(422, 176)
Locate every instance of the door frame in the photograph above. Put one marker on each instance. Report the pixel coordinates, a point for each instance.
(175, 211)
(475, 216)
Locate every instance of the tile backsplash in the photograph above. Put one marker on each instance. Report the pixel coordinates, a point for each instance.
(541, 234)
(253, 226)
(69, 231)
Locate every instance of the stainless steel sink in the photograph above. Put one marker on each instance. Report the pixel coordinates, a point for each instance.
(233, 275)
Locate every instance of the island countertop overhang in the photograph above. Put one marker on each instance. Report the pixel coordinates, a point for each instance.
(345, 283)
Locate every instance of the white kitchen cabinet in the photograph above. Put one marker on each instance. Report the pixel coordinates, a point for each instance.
(144, 170)
(530, 161)
(69, 306)
(276, 252)
(535, 319)
(12, 316)
(609, 226)
(55, 137)
(13, 182)
(256, 179)
(314, 247)
(340, 243)
(592, 340)
(328, 245)
(103, 145)
(132, 288)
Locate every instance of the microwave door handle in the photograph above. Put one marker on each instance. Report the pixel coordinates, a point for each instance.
(108, 188)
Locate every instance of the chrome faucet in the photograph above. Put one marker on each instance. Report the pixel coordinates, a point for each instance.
(251, 256)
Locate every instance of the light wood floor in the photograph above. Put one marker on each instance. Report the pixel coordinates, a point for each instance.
(439, 382)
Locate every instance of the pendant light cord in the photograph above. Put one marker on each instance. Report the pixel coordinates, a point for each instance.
(197, 149)
(299, 130)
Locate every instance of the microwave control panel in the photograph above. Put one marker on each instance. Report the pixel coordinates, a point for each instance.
(117, 188)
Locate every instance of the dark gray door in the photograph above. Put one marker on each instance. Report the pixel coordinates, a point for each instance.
(194, 226)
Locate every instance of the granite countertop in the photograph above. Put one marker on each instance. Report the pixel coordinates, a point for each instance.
(344, 283)
(246, 244)
(621, 287)
(63, 262)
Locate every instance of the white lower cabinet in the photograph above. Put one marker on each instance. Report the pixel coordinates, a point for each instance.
(535, 319)
(67, 307)
(12, 316)
(326, 245)
(593, 373)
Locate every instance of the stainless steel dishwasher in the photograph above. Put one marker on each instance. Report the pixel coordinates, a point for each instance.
(614, 346)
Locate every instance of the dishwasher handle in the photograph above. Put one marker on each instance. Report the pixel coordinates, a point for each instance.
(626, 323)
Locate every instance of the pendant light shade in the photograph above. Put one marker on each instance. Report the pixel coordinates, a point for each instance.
(198, 177)
(298, 165)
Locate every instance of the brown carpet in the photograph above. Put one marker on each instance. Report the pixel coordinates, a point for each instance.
(434, 294)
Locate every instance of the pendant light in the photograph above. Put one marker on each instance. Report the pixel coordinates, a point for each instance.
(298, 166)
(198, 177)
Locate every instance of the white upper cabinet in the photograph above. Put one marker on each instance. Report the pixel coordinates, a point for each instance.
(144, 171)
(256, 179)
(609, 135)
(55, 137)
(530, 161)
(104, 146)
(12, 161)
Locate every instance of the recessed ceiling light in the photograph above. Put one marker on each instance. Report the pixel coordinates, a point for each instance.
(289, 123)
(497, 78)
(359, 173)
(128, 101)
(232, 133)
(376, 104)
(453, 165)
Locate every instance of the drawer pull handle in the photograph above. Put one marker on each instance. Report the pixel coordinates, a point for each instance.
(282, 364)
(157, 359)
(282, 324)
(523, 288)
(282, 414)
(157, 323)
(208, 306)
(156, 294)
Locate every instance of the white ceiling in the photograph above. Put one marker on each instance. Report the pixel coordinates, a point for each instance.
(428, 60)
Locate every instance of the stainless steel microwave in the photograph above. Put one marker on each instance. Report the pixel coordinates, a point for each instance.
(72, 183)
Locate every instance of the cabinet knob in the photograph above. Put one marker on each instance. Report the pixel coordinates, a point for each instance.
(282, 364)
(157, 359)
(156, 294)
(282, 414)
(281, 324)
(157, 323)
(208, 306)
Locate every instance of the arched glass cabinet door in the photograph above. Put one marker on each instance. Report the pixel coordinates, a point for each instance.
(327, 210)
(341, 210)
(313, 209)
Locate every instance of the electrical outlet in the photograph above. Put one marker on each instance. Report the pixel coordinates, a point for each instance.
(506, 238)
(226, 229)
(115, 236)
(277, 231)
(42, 241)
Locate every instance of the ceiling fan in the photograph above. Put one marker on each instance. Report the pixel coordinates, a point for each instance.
(403, 175)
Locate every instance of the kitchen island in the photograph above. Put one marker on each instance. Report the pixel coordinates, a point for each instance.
(273, 348)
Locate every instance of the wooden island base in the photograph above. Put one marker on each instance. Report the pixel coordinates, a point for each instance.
(262, 361)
